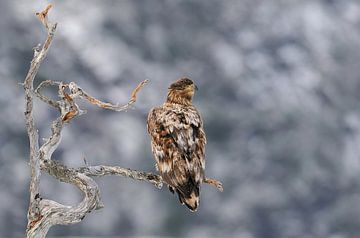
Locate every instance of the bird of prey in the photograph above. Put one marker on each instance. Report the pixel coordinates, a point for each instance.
(178, 142)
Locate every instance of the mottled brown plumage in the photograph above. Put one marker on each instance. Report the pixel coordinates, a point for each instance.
(178, 142)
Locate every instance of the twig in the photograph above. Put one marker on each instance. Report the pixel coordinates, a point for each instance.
(43, 16)
(43, 98)
(115, 107)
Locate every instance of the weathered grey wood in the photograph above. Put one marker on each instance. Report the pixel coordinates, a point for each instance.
(102, 170)
(39, 56)
(44, 213)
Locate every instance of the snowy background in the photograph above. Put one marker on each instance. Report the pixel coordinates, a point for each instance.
(279, 93)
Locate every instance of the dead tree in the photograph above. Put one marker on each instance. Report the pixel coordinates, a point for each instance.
(44, 213)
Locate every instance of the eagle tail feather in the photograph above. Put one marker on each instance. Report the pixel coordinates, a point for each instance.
(189, 194)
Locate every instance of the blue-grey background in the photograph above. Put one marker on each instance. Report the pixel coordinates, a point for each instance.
(279, 93)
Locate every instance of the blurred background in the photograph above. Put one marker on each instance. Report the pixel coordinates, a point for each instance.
(279, 91)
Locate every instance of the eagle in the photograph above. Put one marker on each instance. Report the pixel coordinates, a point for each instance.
(178, 142)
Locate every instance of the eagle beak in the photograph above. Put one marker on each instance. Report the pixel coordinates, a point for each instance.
(196, 88)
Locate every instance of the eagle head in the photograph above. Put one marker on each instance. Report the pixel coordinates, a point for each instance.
(181, 91)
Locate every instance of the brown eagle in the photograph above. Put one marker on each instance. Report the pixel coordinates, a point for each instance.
(178, 142)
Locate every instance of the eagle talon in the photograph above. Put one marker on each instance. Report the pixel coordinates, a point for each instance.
(171, 189)
(220, 187)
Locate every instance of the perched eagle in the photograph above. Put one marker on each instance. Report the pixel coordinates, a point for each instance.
(178, 142)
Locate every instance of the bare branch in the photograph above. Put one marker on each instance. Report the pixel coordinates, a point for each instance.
(102, 170)
(39, 55)
(117, 107)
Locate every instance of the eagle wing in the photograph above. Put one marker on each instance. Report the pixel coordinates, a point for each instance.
(178, 144)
